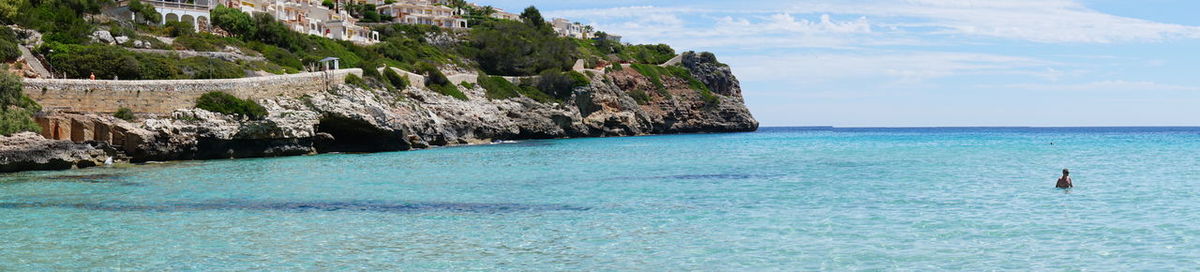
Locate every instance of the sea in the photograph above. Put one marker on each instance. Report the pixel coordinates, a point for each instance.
(779, 199)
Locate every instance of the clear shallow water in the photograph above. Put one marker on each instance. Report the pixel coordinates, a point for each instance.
(778, 199)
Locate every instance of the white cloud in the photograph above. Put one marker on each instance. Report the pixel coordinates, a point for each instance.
(1108, 85)
(908, 67)
(1047, 21)
(1042, 21)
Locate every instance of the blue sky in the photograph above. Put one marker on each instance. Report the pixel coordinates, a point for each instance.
(932, 62)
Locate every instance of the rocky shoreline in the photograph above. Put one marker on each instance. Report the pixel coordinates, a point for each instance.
(352, 119)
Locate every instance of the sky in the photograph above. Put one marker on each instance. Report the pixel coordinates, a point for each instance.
(903, 63)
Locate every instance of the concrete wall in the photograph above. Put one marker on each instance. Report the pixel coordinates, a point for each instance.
(164, 96)
(413, 79)
(458, 79)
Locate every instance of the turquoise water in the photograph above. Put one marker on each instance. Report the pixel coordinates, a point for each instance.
(778, 199)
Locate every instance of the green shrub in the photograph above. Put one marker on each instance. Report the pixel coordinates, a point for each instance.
(709, 98)
(8, 45)
(652, 72)
(370, 69)
(278, 55)
(106, 62)
(9, 9)
(209, 68)
(498, 88)
(648, 54)
(557, 84)
(179, 28)
(228, 104)
(354, 80)
(398, 81)
(519, 49)
(192, 42)
(16, 109)
(155, 66)
(641, 97)
(124, 113)
(8, 51)
(59, 21)
(533, 17)
(449, 90)
(532, 91)
(433, 76)
(708, 57)
(580, 79)
(13, 120)
(145, 12)
(232, 20)
(437, 81)
(656, 73)
(706, 94)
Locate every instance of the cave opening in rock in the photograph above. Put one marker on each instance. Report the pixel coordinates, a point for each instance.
(354, 135)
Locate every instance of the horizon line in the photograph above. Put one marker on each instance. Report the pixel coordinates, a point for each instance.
(836, 127)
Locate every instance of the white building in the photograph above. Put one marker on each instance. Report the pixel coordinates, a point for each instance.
(566, 28)
(310, 17)
(423, 12)
(195, 13)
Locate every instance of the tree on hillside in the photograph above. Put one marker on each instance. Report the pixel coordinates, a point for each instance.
(146, 12)
(532, 16)
(16, 110)
(513, 48)
(8, 9)
(232, 20)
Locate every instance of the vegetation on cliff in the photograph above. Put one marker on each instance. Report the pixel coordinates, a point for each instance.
(8, 45)
(124, 113)
(495, 47)
(16, 109)
(657, 74)
(228, 104)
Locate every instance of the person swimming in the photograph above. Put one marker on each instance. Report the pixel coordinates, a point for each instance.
(1065, 181)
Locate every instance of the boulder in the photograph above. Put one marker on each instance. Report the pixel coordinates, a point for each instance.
(30, 151)
(121, 39)
(103, 36)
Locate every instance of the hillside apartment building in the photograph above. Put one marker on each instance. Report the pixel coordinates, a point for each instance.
(424, 12)
(309, 16)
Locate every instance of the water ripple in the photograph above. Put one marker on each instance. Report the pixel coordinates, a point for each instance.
(350, 206)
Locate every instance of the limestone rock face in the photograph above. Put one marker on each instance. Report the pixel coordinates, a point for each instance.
(30, 151)
(352, 119)
(200, 134)
(717, 76)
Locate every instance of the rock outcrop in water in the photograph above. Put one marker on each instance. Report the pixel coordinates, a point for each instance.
(29, 151)
(353, 119)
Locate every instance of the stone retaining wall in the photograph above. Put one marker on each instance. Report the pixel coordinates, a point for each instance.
(164, 96)
(226, 56)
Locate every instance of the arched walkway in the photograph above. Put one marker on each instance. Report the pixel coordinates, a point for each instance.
(170, 17)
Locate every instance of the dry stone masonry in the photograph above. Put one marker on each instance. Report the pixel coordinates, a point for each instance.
(165, 96)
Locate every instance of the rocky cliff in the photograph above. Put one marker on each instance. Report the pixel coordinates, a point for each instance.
(352, 119)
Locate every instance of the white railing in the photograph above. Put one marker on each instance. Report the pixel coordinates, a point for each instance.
(176, 5)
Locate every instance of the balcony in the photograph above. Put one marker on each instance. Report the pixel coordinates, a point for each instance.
(198, 5)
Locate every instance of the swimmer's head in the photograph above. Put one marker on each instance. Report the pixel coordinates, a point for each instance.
(1066, 172)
